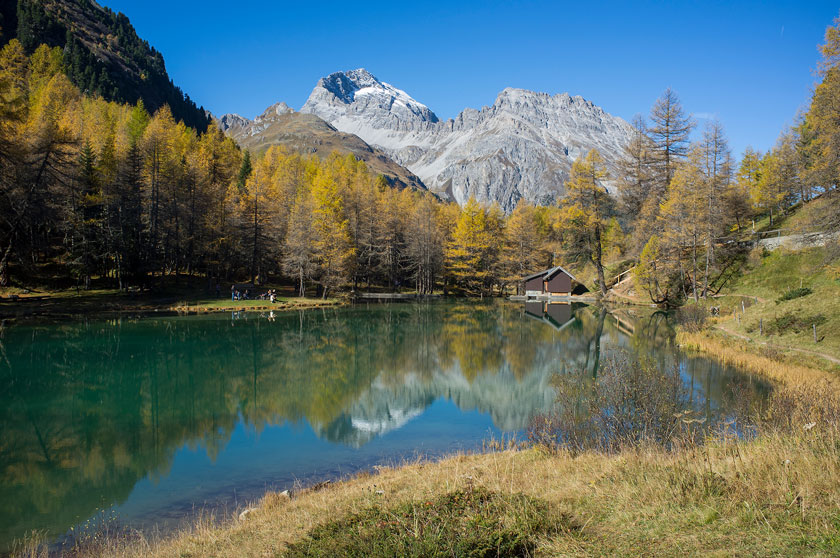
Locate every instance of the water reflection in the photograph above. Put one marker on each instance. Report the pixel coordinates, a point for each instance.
(89, 409)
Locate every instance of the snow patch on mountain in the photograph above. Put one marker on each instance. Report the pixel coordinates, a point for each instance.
(522, 146)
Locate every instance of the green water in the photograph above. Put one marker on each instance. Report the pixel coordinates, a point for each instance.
(152, 419)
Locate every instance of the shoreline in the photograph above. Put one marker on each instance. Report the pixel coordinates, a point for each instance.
(611, 503)
(773, 494)
(113, 305)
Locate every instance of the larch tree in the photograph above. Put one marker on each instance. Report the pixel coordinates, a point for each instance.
(716, 160)
(334, 248)
(683, 225)
(258, 208)
(670, 130)
(524, 250)
(636, 176)
(426, 241)
(472, 253)
(585, 213)
(820, 130)
(299, 257)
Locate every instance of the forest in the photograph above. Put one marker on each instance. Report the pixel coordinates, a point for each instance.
(96, 192)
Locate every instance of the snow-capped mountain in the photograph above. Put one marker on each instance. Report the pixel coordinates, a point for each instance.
(522, 146)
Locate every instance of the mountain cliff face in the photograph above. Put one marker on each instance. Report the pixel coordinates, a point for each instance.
(522, 146)
(309, 134)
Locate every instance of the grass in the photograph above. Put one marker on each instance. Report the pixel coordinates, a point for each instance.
(468, 521)
(762, 498)
(227, 305)
(775, 492)
(786, 369)
(184, 299)
(781, 296)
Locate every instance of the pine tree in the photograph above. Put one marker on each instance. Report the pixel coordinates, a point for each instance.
(245, 171)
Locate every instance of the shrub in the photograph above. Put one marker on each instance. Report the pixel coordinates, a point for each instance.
(630, 403)
(692, 318)
(468, 522)
(791, 321)
(794, 293)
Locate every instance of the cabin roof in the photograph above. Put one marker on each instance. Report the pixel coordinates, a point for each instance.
(549, 273)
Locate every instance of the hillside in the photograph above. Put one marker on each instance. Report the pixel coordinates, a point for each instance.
(102, 53)
(309, 134)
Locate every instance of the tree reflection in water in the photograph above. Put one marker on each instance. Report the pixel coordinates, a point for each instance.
(89, 408)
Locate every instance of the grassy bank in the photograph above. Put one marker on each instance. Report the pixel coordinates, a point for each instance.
(762, 498)
(787, 369)
(72, 302)
(782, 297)
(774, 491)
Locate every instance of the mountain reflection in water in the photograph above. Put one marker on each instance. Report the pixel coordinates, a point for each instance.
(152, 413)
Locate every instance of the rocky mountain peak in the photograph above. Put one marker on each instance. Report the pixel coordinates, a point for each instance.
(521, 147)
(274, 110)
(232, 121)
(359, 91)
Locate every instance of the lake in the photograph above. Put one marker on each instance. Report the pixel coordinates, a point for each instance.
(153, 419)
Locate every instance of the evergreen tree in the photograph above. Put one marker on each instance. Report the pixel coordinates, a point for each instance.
(245, 171)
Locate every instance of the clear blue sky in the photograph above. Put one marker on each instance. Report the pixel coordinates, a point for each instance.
(750, 64)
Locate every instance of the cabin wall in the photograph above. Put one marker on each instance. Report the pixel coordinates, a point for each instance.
(559, 284)
(534, 286)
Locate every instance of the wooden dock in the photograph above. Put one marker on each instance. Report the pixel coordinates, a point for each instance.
(552, 298)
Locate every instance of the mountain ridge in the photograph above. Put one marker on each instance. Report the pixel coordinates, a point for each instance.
(304, 133)
(522, 146)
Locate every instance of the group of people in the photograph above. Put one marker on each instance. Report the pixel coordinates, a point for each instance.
(236, 294)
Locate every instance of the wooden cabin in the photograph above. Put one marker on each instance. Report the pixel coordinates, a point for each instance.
(552, 282)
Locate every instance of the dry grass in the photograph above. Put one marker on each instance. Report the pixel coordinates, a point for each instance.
(726, 498)
(773, 492)
(784, 369)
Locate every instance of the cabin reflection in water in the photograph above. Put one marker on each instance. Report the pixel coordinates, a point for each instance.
(556, 314)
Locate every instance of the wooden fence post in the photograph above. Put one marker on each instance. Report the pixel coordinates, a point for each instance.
(761, 326)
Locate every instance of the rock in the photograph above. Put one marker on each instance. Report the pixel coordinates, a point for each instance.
(246, 512)
(522, 146)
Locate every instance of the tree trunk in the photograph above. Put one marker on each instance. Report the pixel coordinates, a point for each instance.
(302, 289)
(694, 266)
(4, 264)
(597, 261)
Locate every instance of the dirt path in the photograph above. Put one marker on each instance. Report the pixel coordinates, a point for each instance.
(758, 298)
(783, 347)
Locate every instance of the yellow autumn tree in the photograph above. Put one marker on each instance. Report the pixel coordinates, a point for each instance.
(334, 250)
(473, 251)
(585, 213)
